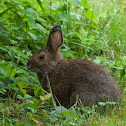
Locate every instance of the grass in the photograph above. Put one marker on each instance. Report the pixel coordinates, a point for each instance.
(24, 26)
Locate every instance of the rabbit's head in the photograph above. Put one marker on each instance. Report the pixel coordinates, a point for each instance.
(45, 60)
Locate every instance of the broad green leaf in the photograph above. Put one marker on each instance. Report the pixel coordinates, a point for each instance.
(85, 4)
(101, 103)
(98, 61)
(65, 113)
(40, 4)
(26, 96)
(91, 16)
(41, 20)
(3, 91)
(20, 97)
(23, 90)
(29, 101)
(36, 90)
(94, 26)
(30, 11)
(41, 27)
(12, 73)
(118, 68)
(33, 35)
(14, 87)
(64, 17)
(31, 109)
(4, 12)
(42, 98)
(48, 96)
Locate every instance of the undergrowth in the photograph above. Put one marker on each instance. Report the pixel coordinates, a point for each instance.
(93, 30)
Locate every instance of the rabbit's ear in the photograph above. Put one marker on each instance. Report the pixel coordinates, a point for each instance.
(55, 38)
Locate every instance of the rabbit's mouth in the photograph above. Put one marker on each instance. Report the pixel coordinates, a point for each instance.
(28, 67)
(36, 70)
(34, 67)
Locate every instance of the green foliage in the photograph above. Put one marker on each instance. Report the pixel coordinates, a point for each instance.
(88, 28)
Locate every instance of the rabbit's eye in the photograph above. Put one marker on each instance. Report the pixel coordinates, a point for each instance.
(41, 56)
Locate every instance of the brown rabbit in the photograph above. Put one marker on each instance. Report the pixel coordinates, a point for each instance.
(72, 78)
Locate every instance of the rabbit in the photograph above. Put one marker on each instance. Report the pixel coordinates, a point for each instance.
(72, 78)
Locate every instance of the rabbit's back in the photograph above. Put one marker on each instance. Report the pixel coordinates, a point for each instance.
(82, 78)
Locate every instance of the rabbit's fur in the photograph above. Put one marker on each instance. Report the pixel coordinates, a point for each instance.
(72, 78)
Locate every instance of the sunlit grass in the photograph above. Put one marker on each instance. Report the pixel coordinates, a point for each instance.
(27, 30)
